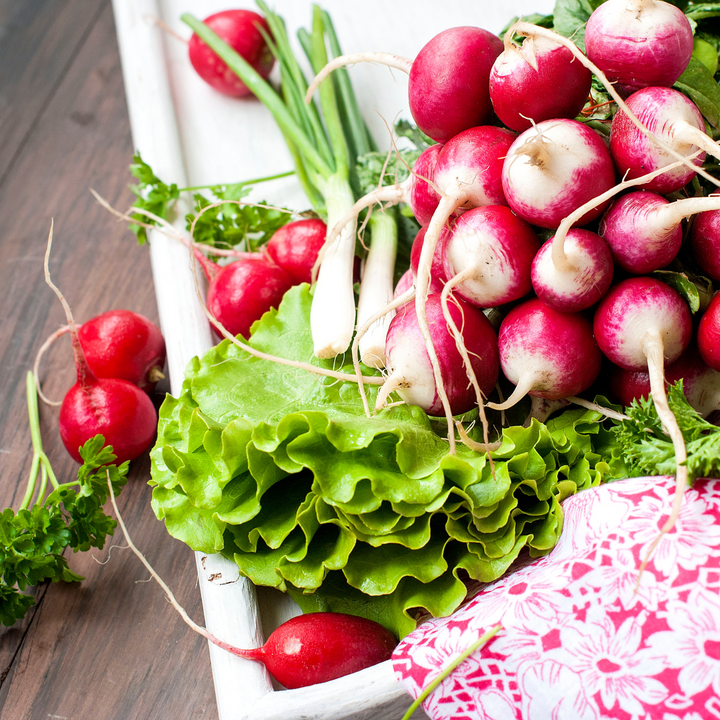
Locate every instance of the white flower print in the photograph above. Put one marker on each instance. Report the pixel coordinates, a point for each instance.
(693, 641)
(612, 664)
(688, 545)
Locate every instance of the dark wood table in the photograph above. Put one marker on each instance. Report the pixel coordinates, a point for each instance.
(111, 646)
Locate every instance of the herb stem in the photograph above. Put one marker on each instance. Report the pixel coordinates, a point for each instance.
(252, 181)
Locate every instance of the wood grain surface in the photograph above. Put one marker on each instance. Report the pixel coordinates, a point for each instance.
(110, 647)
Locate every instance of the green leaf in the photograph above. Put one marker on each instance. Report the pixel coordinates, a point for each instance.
(700, 86)
(702, 11)
(152, 195)
(693, 289)
(570, 17)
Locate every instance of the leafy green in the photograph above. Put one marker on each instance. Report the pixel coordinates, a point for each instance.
(281, 470)
(152, 195)
(570, 17)
(33, 539)
(647, 450)
(700, 86)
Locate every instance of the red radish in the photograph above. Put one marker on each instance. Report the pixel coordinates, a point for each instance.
(487, 253)
(448, 87)
(411, 373)
(592, 274)
(295, 248)
(437, 269)
(676, 121)
(705, 242)
(708, 335)
(240, 29)
(641, 324)
(116, 409)
(546, 353)
(554, 168)
(305, 650)
(406, 281)
(701, 384)
(243, 291)
(318, 647)
(125, 345)
(639, 43)
(540, 80)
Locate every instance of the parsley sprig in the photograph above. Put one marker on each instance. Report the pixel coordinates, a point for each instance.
(71, 515)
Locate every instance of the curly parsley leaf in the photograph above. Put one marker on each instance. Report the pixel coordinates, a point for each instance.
(152, 195)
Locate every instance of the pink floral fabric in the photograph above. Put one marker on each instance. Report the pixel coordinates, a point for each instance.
(580, 641)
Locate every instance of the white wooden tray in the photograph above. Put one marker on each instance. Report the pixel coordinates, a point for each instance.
(191, 135)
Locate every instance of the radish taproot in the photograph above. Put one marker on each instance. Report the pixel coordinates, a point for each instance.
(553, 168)
(116, 409)
(546, 353)
(295, 247)
(448, 87)
(639, 43)
(539, 80)
(240, 29)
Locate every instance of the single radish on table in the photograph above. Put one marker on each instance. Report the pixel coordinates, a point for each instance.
(448, 88)
(546, 353)
(240, 29)
(539, 80)
(295, 247)
(639, 43)
(116, 409)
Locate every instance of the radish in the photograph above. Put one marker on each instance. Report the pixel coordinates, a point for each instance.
(639, 43)
(701, 384)
(554, 168)
(125, 345)
(295, 248)
(242, 292)
(240, 29)
(116, 409)
(641, 324)
(410, 370)
(406, 281)
(676, 121)
(448, 88)
(589, 279)
(708, 335)
(437, 269)
(546, 353)
(305, 650)
(540, 80)
(487, 254)
(705, 242)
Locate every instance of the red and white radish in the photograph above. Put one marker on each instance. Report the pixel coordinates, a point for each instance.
(240, 29)
(406, 281)
(588, 280)
(116, 409)
(410, 370)
(437, 269)
(704, 241)
(701, 384)
(639, 43)
(448, 88)
(295, 248)
(642, 324)
(708, 334)
(242, 292)
(546, 353)
(676, 121)
(487, 254)
(554, 168)
(539, 80)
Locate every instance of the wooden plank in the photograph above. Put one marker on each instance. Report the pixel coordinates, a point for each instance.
(110, 647)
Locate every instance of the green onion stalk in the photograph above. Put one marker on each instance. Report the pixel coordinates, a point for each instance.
(325, 140)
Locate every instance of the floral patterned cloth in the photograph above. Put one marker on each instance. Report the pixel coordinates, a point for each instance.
(579, 642)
